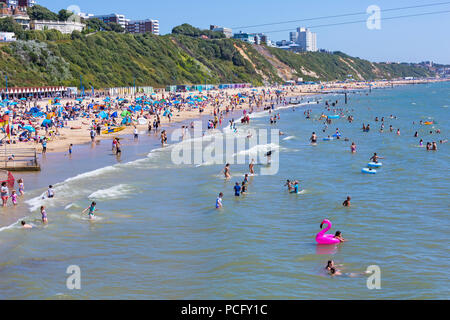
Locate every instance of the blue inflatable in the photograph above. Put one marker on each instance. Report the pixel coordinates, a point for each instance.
(368, 171)
(327, 139)
(334, 116)
(374, 164)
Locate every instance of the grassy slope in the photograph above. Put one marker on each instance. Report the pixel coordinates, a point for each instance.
(108, 59)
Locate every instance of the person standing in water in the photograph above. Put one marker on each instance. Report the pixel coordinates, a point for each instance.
(219, 201)
(251, 165)
(353, 147)
(44, 215)
(237, 189)
(91, 209)
(4, 191)
(226, 171)
(21, 187)
(50, 192)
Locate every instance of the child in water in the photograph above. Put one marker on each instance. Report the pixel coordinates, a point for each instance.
(44, 215)
(338, 235)
(91, 209)
(14, 197)
(21, 187)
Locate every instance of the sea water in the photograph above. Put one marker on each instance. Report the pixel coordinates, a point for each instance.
(157, 234)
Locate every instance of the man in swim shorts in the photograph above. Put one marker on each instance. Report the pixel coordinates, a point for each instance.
(313, 138)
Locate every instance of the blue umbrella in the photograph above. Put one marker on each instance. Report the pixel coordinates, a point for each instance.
(29, 128)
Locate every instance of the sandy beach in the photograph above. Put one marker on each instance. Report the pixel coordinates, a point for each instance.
(77, 131)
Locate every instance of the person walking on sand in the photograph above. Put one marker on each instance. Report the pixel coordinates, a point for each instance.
(4, 192)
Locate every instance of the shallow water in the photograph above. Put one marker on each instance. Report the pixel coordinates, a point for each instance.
(157, 234)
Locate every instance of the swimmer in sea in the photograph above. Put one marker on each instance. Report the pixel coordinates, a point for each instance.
(375, 158)
(295, 187)
(25, 225)
(91, 209)
(421, 143)
(251, 165)
(313, 138)
(246, 178)
(346, 202)
(334, 272)
(353, 147)
(338, 235)
(330, 264)
(226, 171)
(219, 201)
(288, 184)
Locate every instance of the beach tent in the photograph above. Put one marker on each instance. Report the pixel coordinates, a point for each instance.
(103, 115)
(125, 113)
(46, 122)
(34, 110)
(29, 128)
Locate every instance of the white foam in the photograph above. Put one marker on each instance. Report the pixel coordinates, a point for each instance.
(93, 173)
(116, 192)
(258, 149)
(289, 138)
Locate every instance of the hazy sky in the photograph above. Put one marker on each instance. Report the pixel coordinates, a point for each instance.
(410, 39)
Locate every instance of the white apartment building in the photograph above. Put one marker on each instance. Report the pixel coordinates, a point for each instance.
(306, 39)
(143, 26)
(114, 17)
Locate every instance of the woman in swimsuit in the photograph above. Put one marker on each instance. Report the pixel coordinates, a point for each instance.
(44, 215)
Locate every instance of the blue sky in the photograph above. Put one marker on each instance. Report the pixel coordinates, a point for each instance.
(412, 39)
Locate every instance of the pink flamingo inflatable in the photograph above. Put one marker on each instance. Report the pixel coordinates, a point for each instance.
(322, 238)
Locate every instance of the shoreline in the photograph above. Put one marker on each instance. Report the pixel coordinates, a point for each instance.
(81, 135)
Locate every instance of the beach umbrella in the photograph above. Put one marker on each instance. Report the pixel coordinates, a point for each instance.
(114, 115)
(57, 104)
(23, 99)
(29, 128)
(13, 103)
(103, 115)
